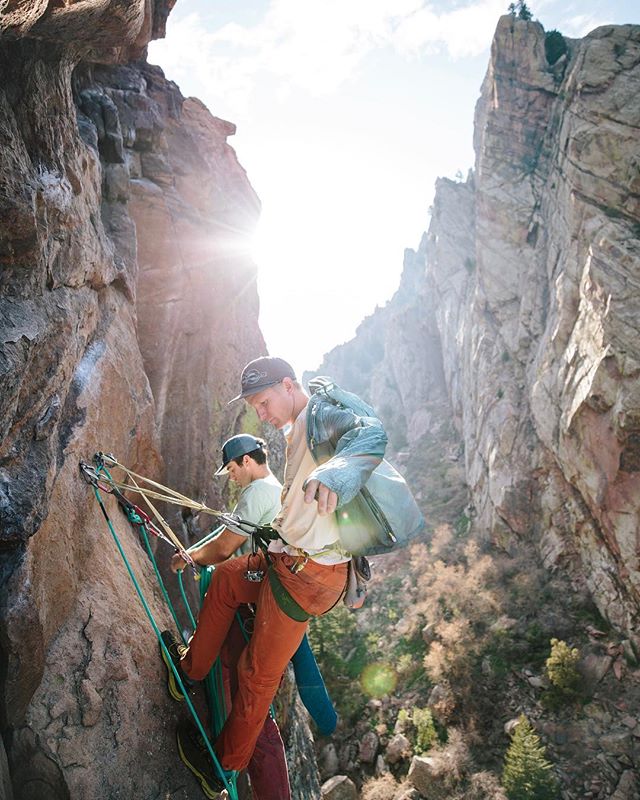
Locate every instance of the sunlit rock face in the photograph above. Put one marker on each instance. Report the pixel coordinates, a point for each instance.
(128, 307)
(540, 337)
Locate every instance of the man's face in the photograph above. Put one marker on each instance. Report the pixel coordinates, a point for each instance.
(273, 405)
(239, 474)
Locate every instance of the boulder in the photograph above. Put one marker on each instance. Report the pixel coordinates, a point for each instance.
(340, 787)
(398, 749)
(511, 725)
(628, 787)
(381, 767)
(328, 761)
(369, 747)
(617, 742)
(593, 667)
(426, 776)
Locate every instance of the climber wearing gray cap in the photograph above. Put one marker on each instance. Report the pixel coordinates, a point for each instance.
(244, 460)
(261, 373)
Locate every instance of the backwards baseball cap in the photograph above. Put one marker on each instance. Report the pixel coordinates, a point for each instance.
(238, 446)
(261, 373)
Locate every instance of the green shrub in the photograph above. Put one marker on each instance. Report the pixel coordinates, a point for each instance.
(521, 10)
(527, 774)
(562, 667)
(403, 720)
(554, 46)
(426, 734)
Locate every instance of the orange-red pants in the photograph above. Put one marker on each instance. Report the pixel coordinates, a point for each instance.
(268, 765)
(275, 639)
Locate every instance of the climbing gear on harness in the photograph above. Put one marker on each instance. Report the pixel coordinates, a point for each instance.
(261, 537)
(299, 565)
(193, 753)
(254, 575)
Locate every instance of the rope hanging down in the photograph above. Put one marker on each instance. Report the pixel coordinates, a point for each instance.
(101, 480)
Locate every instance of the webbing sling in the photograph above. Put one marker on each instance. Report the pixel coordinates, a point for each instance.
(282, 597)
(260, 538)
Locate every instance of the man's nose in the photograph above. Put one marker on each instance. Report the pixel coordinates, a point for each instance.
(262, 414)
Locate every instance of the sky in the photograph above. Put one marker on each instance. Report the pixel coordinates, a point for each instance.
(346, 111)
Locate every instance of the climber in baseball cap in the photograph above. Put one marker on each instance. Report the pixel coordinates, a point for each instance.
(237, 446)
(261, 373)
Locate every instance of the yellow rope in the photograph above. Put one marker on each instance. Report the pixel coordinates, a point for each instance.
(160, 519)
(171, 497)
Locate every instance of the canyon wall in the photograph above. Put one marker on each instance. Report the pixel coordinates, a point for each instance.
(525, 311)
(128, 306)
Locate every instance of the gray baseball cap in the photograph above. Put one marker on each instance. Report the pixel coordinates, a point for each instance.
(261, 373)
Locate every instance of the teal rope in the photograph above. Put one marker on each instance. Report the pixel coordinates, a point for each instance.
(214, 685)
(229, 779)
(186, 603)
(143, 529)
(207, 538)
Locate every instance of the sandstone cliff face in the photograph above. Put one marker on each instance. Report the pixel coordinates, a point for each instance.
(550, 362)
(127, 307)
(530, 282)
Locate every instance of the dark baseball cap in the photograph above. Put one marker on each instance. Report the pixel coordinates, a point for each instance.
(261, 373)
(238, 446)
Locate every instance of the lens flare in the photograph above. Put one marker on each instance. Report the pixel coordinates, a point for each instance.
(378, 679)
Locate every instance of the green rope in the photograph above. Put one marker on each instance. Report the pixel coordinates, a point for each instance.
(186, 603)
(143, 530)
(214, 684)
(228, 779)
(207, 538)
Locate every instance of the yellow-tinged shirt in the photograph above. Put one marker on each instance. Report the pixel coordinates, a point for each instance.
(298, 522)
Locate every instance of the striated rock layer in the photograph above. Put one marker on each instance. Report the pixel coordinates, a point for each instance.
(548, 344)
(128, 305)
(530, 280)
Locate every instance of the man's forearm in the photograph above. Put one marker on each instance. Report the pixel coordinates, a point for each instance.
(218, 549)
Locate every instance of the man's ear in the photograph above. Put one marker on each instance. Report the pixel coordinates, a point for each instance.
(245, 460)
(288, 385)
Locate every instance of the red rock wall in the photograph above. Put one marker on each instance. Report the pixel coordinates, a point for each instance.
(128, 306)
(536, 286)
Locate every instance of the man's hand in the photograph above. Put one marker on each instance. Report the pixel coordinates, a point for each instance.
(177, 562)
(327, 500)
